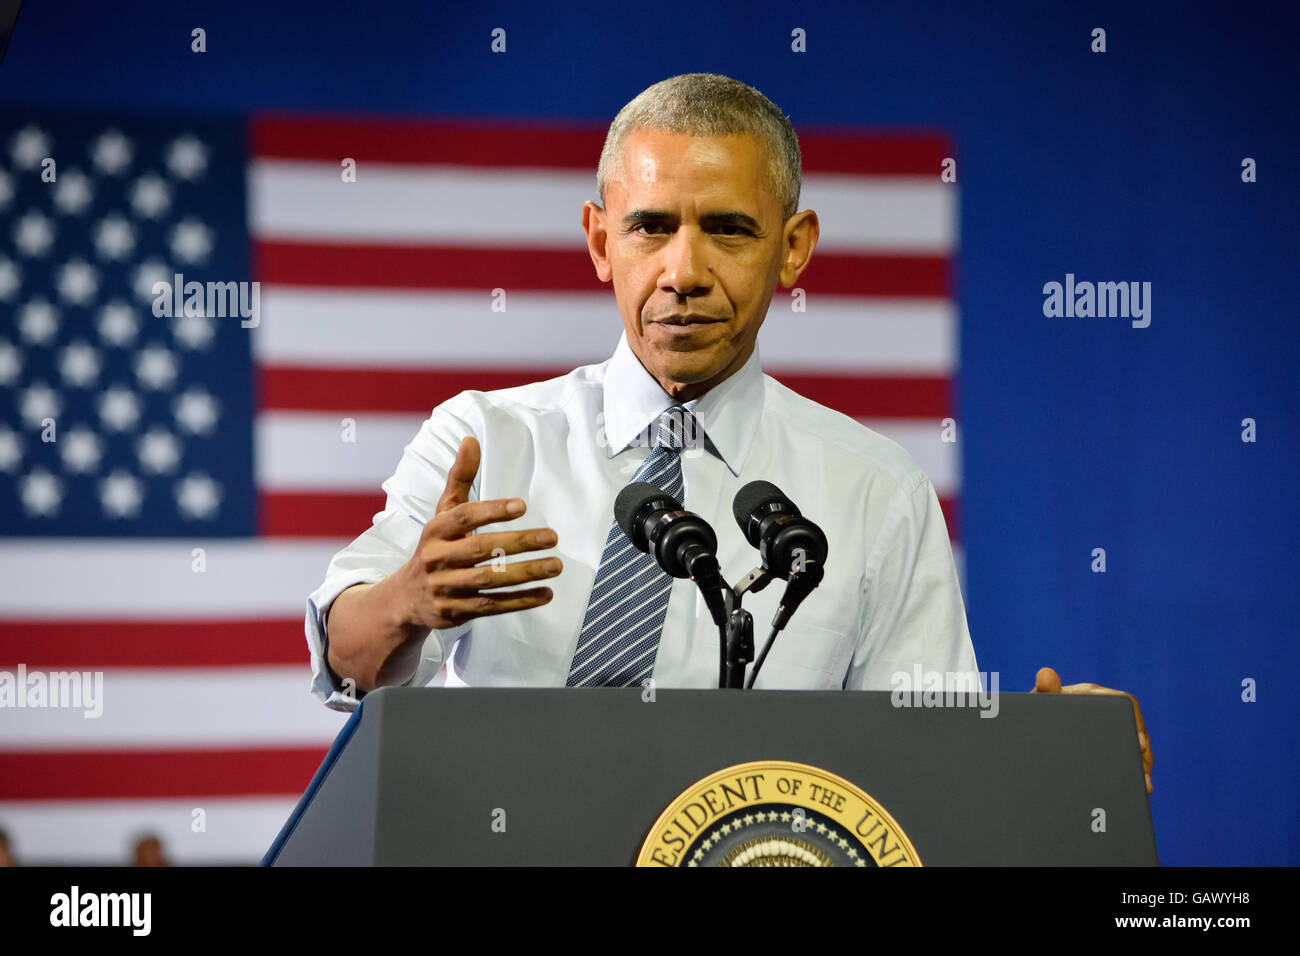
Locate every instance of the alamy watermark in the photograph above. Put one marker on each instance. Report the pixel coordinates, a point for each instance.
(74, 908)
(1103, 300)
(69, 690)
(918, 688)
(214, 299)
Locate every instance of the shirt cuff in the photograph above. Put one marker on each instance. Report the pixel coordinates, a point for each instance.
(325, 684)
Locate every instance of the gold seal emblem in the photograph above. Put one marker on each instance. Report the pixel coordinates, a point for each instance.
(776, 813)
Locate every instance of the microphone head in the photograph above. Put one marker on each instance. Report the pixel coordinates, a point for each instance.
(629, 504)
(755, 500)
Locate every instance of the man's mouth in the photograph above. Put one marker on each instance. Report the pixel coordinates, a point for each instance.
(688, 319)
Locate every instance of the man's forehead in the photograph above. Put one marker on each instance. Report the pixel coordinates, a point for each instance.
(659, 164)
(708, 150)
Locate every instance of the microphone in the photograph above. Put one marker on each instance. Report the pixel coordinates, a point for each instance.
(680, 541)
(792, 547)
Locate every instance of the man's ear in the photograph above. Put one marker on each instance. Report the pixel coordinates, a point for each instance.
(800, 238)
(593, 224)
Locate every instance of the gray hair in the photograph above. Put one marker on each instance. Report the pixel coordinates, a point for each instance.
(707, 104)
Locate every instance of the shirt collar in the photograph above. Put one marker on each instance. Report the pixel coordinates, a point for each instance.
(728, 413)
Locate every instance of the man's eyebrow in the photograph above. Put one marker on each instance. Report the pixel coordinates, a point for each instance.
(638, 216)
(730, 219)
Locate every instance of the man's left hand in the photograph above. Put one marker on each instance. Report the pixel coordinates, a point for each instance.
(1047, 682)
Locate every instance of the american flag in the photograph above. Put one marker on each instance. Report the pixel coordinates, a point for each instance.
(174, 486)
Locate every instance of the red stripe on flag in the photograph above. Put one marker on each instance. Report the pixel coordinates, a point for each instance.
(509, 144)
(156, 774)
(286, 388)
(95, 644)
(904, 276)
(874, 396)
(874, 153)
(498, 144)
(424, 267)
(951, 515)
(329, 265)
(315, 514)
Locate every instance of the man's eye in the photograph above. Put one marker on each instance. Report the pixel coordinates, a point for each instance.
(648, 226)
(733, 230)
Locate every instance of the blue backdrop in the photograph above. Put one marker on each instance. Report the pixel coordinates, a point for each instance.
(1076, 433)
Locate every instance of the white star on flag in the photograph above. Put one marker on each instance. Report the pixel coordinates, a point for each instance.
(191, 241)
(78, 281)
(34, 234)
(146, 275)
(117, 324)
(198, 496)
(11, 364)
(38, 403)
(79, 364)
(119, 408)
(156, 367)
(114, 238)
(80, 449)
(159, 451)
(193, 331)
(38, 321)
(41, 492)
(11, 449)
(150, 196)
(73, 193)
(187, 157)
(196, 411)
(28, 147)
(112, 153)
(10, 279)
(120, 495)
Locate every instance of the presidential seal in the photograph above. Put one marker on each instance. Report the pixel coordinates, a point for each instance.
(776, 813)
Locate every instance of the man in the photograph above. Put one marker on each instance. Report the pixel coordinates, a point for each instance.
(699, 186)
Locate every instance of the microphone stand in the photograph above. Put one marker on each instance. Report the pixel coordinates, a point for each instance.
(737, 635)
(739, 642)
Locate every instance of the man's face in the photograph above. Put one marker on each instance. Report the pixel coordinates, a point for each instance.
(693, 239)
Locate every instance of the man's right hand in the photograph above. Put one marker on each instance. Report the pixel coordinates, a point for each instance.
(376, 631)
(446, 583)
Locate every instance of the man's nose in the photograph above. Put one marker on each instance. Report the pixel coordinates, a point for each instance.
(686, 263)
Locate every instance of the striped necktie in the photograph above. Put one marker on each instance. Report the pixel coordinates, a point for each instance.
(629, 598)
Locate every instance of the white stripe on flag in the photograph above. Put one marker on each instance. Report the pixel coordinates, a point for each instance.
(183, 708)
(303, 451)
(895, 215)
(237, 829)
(308, 201)
(397, 329)
(52, 579)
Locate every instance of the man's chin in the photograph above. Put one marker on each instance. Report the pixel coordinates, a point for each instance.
(685, 361)
(688, 368)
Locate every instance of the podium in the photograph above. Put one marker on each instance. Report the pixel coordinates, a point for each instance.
(571, 776)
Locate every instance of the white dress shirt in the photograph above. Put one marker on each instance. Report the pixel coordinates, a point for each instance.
(890, 599)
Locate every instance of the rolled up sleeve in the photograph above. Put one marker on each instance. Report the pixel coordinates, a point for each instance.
(413, 491)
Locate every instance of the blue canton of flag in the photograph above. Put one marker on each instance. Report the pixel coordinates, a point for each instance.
(118, 421)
